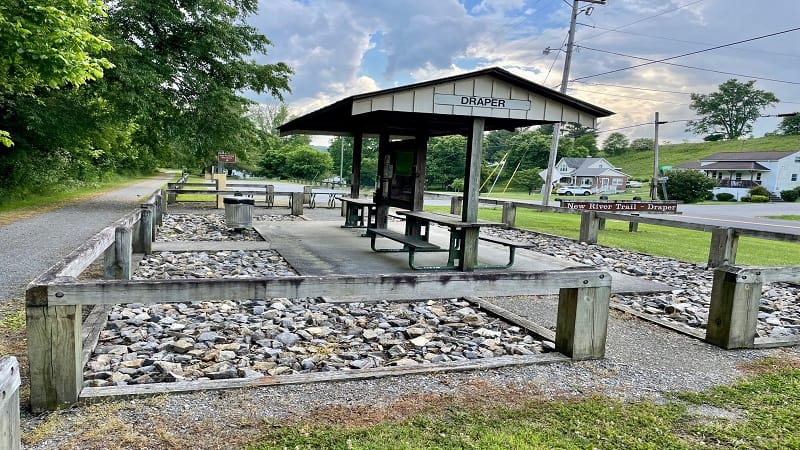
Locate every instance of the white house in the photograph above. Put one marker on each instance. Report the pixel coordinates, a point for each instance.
(595, 172)
(737, 172)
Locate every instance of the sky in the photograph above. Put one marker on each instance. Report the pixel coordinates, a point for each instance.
(339, 48)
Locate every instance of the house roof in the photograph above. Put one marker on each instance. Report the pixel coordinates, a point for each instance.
(689, 165)
(749, 156)
(735, 165)
(582, 169)
(436, 108)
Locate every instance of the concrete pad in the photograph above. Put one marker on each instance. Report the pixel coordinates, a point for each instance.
(325, 248)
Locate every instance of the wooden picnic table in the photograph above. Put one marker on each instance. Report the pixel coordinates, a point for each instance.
(359, 212)
(463, 245)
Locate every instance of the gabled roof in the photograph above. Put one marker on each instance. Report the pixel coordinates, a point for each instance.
(749, 156)
(436, 107)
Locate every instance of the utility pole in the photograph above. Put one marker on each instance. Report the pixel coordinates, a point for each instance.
(551, 160)
(656, 172)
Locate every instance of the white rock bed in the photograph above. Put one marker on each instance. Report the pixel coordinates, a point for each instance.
(689, 300)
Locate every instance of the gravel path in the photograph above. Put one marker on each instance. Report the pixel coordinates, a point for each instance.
(30, 246)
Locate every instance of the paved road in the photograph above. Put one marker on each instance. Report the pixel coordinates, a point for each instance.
(743, 215)
(31, 246)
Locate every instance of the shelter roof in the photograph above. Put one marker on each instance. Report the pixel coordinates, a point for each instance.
(448, 106)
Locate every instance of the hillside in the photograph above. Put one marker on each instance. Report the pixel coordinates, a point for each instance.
(640, 164)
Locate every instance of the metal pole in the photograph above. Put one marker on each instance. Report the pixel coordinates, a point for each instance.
(654, 183)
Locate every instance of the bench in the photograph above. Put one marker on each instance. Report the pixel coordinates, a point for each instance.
(512, 248)
(358, 212)
(411, 245)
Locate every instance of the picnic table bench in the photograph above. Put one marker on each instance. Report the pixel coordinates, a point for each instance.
(359, 212)
(411, 245)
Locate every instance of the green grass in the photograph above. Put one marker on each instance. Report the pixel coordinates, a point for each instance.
(640, 164)
(66, 196)
(785, 217)
(765, 413)
(684, 245)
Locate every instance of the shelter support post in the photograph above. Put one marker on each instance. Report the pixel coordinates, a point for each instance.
(472, 176)
(733, 314)
(419, 172)
(582, 322)
(355, 174)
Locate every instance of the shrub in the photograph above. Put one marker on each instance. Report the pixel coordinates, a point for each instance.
(790, 195)
(725, 196)
(759, 190)
(746, 198)
(759, 198)
(691, 186)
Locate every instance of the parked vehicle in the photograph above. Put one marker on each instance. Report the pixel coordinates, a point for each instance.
(575, 190)
(633, 184)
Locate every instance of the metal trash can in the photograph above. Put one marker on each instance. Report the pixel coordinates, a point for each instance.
(238, 211)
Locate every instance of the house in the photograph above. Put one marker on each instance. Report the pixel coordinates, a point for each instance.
(737, 172)
(595, 172)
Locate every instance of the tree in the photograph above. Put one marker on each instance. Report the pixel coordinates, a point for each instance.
(369, 152)
(446, 160)
(48, 44)
(691, 186)
(730, 111)
(529, 179)
(790, 125)
(308, 163)
(642, 145)
(615, 144)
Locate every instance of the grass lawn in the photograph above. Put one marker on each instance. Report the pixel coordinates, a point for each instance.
(761, 411)
(684, 245)
(785, 217)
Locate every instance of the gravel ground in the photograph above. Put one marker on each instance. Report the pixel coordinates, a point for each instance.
(642, 361)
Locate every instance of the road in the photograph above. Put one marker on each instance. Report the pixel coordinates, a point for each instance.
(742, 215)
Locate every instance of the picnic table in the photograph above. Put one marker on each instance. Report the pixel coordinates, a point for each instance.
(359, 212)
(462, 246)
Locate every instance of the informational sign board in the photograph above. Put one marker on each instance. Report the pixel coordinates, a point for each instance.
(226, 157)
(482, 102)
(622, 206)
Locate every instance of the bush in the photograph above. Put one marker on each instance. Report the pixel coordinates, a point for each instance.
(759, 190)
(746, 199)
(759, 198)
(691, 186)
(725, 196)
(790, 195)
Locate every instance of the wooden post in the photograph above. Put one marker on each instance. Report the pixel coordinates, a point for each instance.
(383, 180)
(582, 322)
(420, 151)
(221, 184)
(472, 174)
(455, 204)
(733, 314)
(164, 207)
(355, 173)
(54, 355)
(269, 195)
(147, 230)
(297, 203)
(509, 213)
(633, 226)
(123, 253)
(590, 227)
(307, 190)
(601, 224)
(724, 243)
(9, 404)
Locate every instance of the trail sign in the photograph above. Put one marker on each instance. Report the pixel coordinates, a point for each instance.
(226, 157)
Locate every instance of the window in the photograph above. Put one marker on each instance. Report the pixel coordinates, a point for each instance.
(758, 176)
(794, 177)
(616, 181)
(797, 159)
(587, 181)
(738, 175)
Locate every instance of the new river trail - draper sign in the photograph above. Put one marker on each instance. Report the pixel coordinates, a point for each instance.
(630, 206)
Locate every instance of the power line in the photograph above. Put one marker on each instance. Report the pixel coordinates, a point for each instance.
(628, 96)
(653, 89)
(693, 53)
(685, 41)
(663, 61)
(643, 124)
(643, 19)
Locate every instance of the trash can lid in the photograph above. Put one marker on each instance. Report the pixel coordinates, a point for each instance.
(238, 201)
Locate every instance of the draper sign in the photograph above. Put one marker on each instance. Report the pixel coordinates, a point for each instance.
(482, 102)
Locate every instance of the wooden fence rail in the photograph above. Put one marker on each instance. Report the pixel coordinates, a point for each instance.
(9, 404)
(724, 240)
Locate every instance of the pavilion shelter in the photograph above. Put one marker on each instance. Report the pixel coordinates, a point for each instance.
(403, 118)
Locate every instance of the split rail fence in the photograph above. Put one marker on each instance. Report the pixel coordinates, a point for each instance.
(9, 404)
